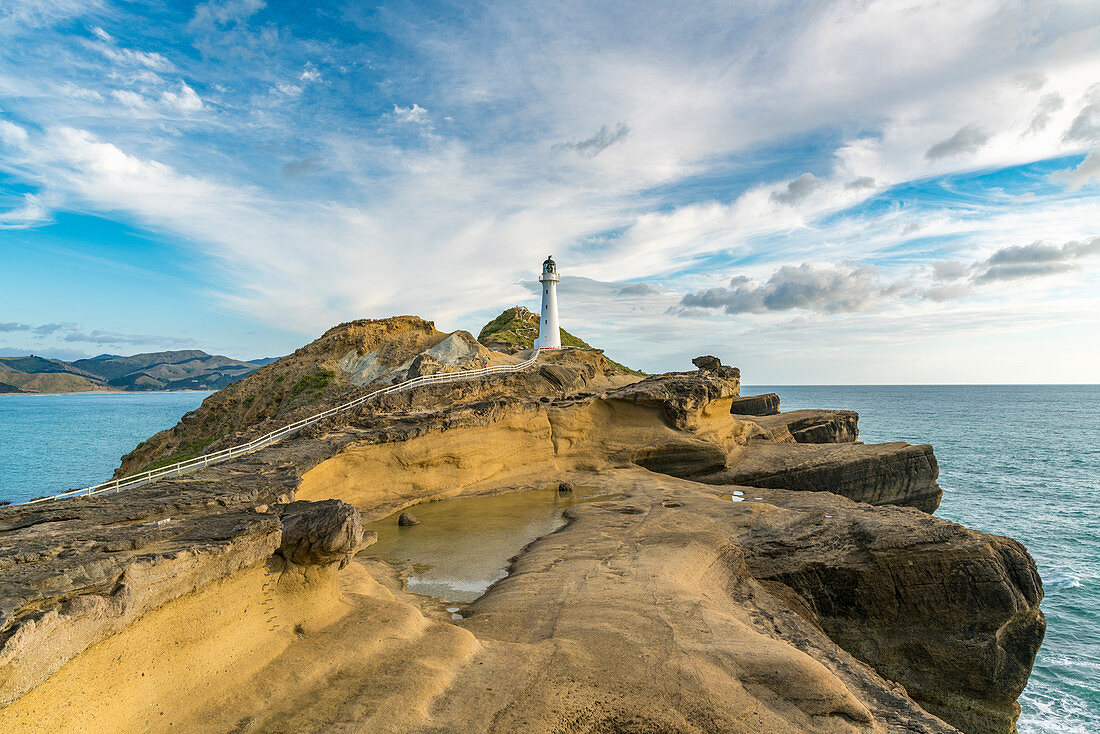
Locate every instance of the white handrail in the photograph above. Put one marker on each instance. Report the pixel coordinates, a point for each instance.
(150, 475)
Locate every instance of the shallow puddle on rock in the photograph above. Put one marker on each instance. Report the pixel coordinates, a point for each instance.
(462, 545)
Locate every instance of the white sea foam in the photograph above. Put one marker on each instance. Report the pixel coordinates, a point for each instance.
(1057, 581)
(1050, 712)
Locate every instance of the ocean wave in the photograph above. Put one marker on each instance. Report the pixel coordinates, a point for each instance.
(1055, 712)
(1070, 662)
(1058, 581)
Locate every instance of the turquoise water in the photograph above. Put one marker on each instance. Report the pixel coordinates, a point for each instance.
(51, 443)
(1021, 461)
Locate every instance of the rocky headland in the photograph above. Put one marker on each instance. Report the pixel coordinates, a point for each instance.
(743, 569)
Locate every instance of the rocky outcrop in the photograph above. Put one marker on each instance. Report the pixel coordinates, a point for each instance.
(808, 426)
(74, 573)
(684, 396)
(707, 362)
(756, 405)
(423, 364)
(660, 606)
(878, 474)
(950, 613)
(684, 458)
(320, 533)
(834, 426)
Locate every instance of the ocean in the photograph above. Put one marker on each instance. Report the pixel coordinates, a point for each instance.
(52, 443)
(1022, 461)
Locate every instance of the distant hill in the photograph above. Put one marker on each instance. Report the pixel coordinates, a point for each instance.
(190, 369)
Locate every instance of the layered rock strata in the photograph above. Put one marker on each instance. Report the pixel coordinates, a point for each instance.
(767, 404)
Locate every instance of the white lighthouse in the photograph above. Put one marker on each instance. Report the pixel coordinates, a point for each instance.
(549, 333)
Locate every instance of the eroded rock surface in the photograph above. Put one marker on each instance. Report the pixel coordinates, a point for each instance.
(767, 404)
(880, 474)
(320, 533)
(807, 606)
(914, 597)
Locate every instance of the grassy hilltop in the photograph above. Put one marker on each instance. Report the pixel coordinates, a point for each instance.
(517, 328)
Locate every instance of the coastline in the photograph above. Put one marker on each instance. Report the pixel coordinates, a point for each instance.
(666, 525)
(104, 392)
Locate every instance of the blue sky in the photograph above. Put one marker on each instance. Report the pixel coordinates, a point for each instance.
(836, 192)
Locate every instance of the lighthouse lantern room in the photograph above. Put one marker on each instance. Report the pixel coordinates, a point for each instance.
(549, 332)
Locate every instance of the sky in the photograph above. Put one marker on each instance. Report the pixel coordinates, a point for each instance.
(851, 192)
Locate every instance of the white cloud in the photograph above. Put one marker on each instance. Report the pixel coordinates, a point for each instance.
(128, 57)
(12, 134)
(102, 34)
(32, 212)
(1083, 174)
(416, 113)
(185, 100)
(702, 174)
(310, 74)
(131, 99)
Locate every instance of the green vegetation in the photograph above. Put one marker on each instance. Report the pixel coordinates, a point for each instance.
(519, 328)
(516, 326)
(314, 383)
(189, 451)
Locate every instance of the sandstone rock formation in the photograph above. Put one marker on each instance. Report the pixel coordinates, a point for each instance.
(888, 585)
(320, 533)
(213, 602)
(756, 405)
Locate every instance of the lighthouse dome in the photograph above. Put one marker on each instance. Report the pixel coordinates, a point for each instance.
(549, 266)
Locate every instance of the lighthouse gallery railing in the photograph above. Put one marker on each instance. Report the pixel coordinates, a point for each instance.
(182, 467)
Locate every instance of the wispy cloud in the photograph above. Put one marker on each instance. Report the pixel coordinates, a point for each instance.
(32, 212)
(604, 138)
(968, 139)
(73, 332)
(836, 146)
